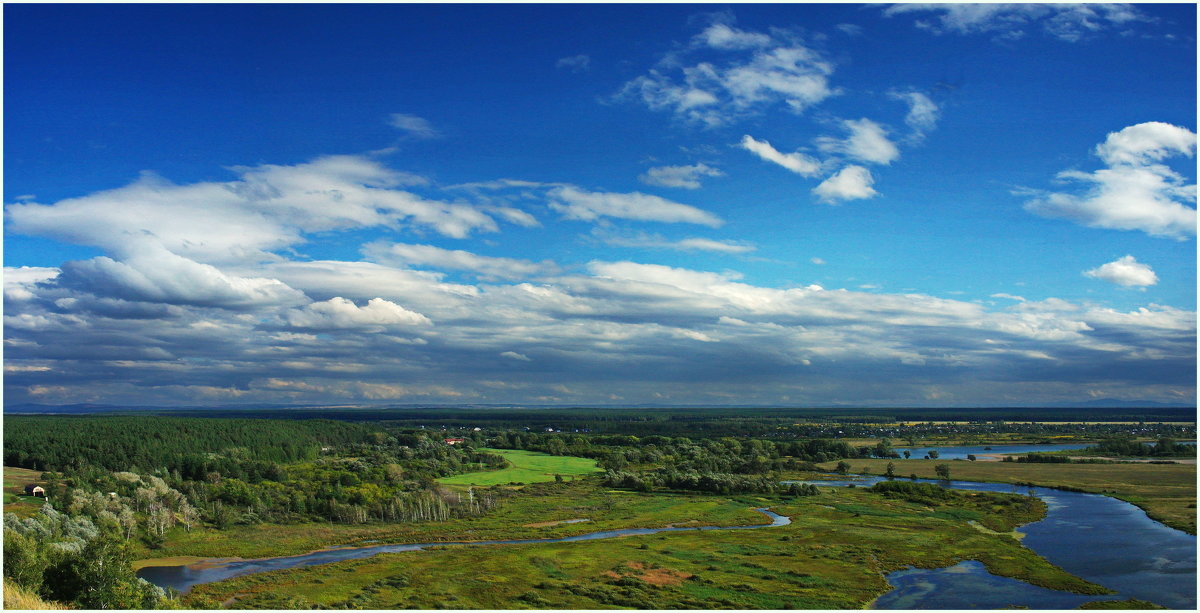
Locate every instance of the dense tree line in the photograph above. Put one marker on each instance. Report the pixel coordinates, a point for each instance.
(170, 443)
(1124, 446)
(1047, 458)
(713, 483)
(384, 481)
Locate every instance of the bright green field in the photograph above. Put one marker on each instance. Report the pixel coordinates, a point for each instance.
(527, 467)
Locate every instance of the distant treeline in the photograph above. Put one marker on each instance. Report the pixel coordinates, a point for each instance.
(702, 421)
(188, 445)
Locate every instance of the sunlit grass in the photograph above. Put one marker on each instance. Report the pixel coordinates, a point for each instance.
(527, 467)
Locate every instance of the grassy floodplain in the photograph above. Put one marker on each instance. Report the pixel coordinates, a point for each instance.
(834, 555)
(1167, 492)
(532, 512)
(525, 467)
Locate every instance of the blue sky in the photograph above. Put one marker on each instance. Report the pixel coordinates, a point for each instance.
(679, 204)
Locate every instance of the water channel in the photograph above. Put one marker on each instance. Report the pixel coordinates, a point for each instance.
(183, 578)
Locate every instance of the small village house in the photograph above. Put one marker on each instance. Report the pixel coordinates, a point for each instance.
(455, 441)
(35, 490)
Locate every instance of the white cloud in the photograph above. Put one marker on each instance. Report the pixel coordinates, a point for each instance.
(266, 208)
(658, 328)
(686, 177)
(707, 244)
(1126, 272)
(850, 29)
(574, 63)
(1069, 22)
(657, 241)
(867, 142)
(922, 112)
(1134, 192)
(341, 314)
(1146, 143)
(19, 282)
(150, 273)
(453, 259)
(760, 71)
(796, 162)
(817, 261)
(361, 281)
(576, 203)
(849, 183)
(721, 36)
(514, 216)
(1008, 296)
(412, 125)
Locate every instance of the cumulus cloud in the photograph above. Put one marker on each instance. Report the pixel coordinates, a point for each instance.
(412, 125)
(1146, 143)
(1069, 22)
(682, 332)
(361, 281)
(574, 63)
(1134, 191)
(341, 314)
(758, 71)
(867, 141)
(686, 177)
(849, 183)
(266, 208)
(20, 281)
(577, 203)
(1126, 272)
(796, 162)
(454, 259)
(153, 274)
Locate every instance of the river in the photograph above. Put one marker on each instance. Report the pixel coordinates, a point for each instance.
(1104, 540)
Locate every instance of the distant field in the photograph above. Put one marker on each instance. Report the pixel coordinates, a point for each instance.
(1167, 492)
(15, 500)
(527, 467)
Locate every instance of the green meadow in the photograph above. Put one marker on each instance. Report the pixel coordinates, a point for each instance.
(525, 467)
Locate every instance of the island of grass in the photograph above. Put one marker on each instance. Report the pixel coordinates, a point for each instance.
(525, 467)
